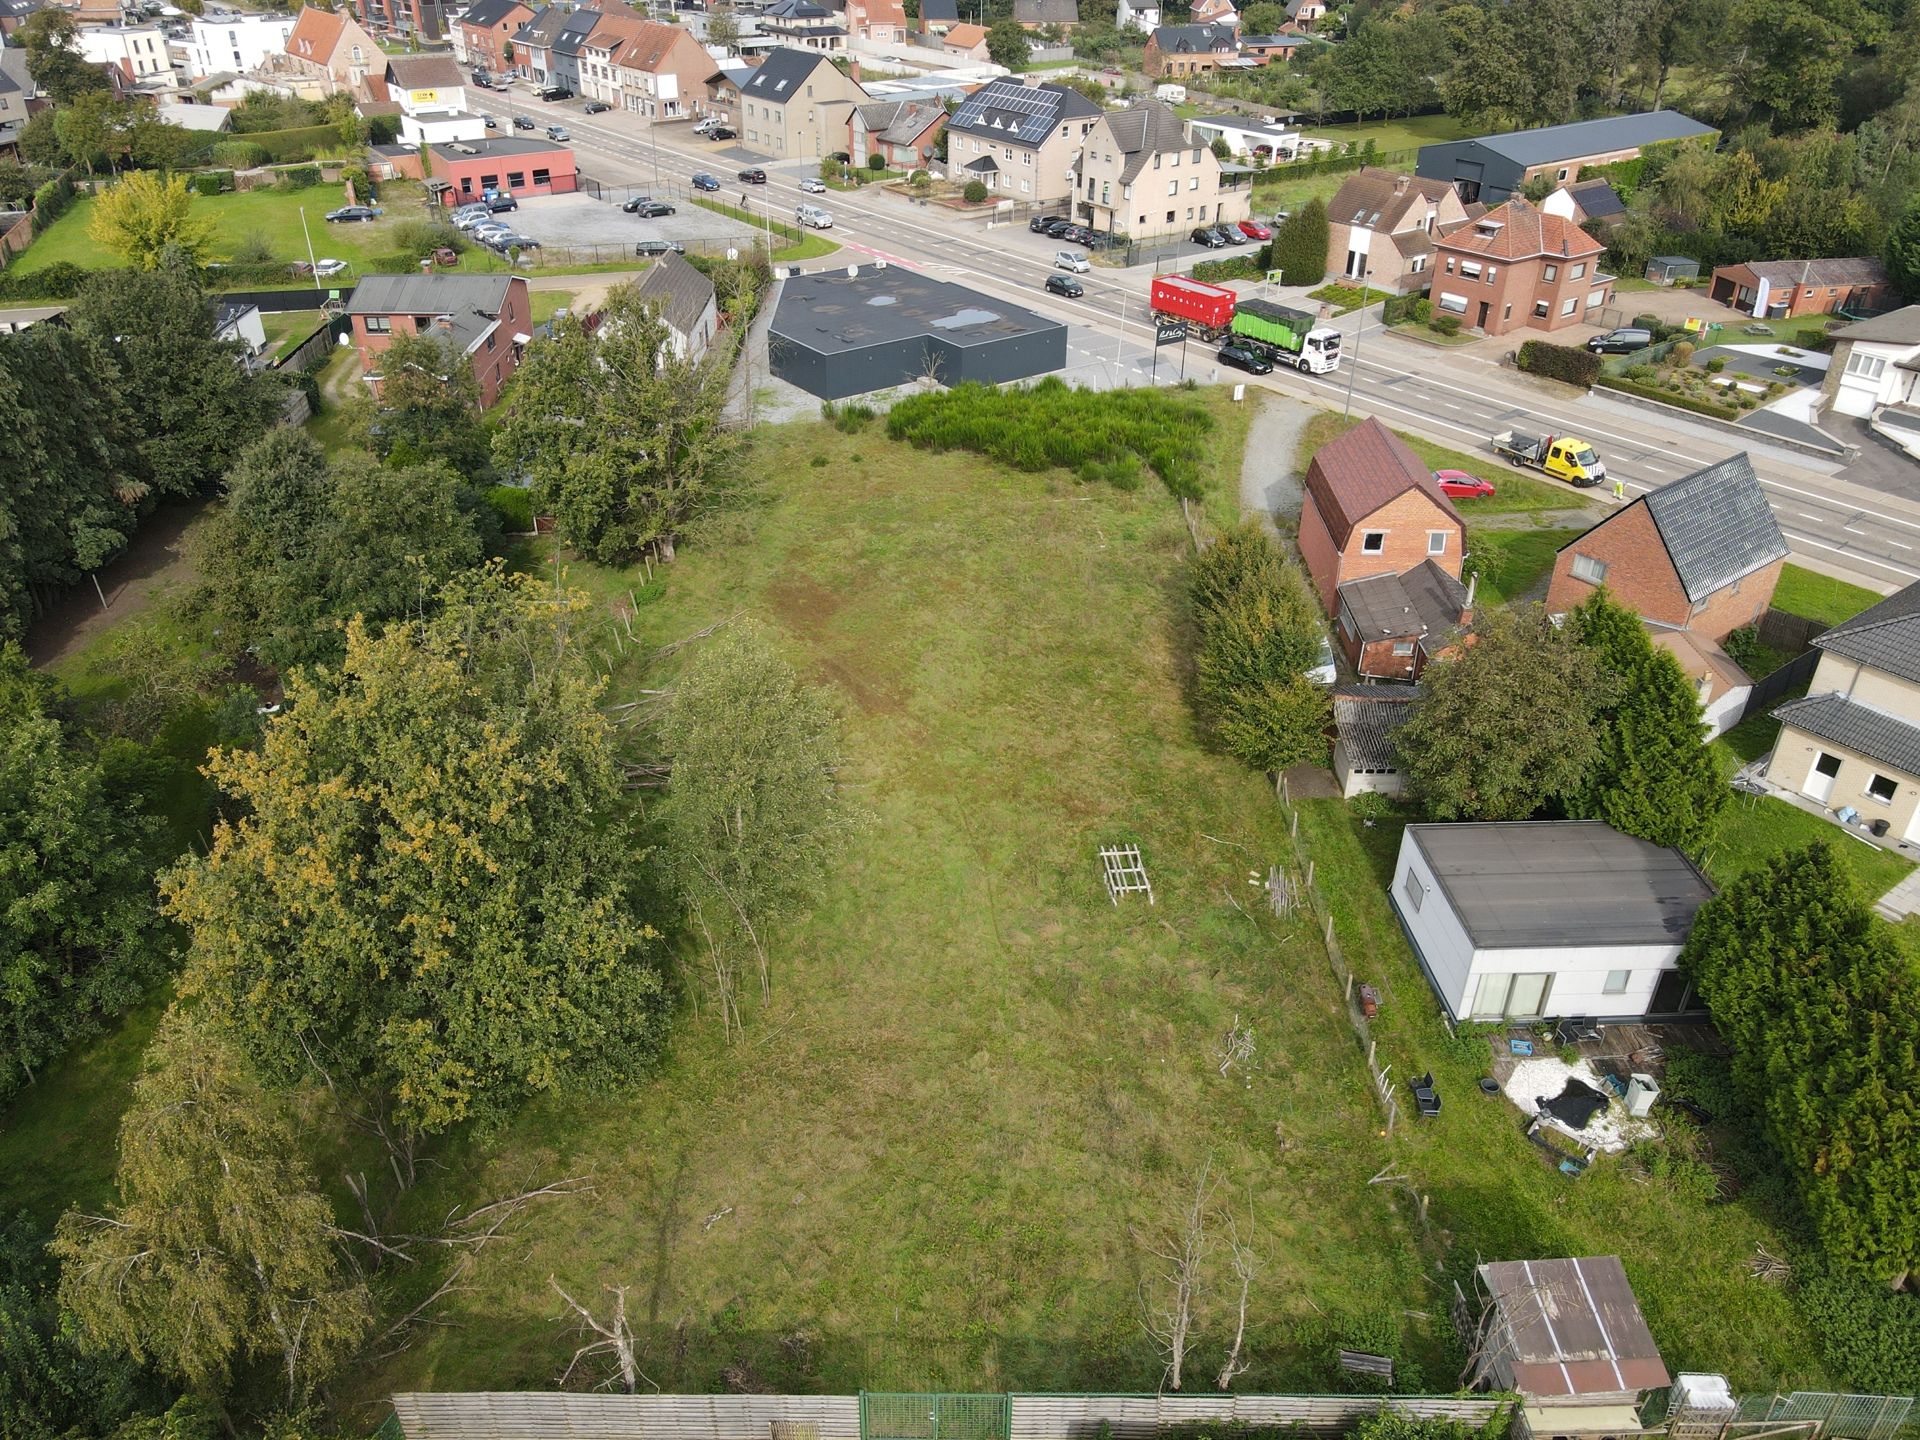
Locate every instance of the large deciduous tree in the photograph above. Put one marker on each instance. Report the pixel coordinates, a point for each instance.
(220, 1250)
(625, 442)
(1007, 44)
(1822, 1009)
(1505, 726)
(195, 408)
(1654, 776)
(144, 214)
(78, 931)
(95, 127)
(51, 38)
(428, 891)
(428, 409)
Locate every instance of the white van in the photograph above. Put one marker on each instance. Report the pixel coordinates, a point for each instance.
(813, 215)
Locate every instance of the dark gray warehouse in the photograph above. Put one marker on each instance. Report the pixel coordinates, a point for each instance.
(1493, 168)
(836, 334)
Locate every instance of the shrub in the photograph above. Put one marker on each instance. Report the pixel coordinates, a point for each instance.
(300, 143)
(1445, 324)
(975, 192)
(849, 417)
(51, 201)
(206, 182)
(876, 161)
(420, 238)
(514, 505)
(1240, 267)
(920, 180)
(1714, 366)
(1666, 397)
(240, 154)
(1559, 362)
(298, 177)
(1423, 310)
(59, 281)
(1682, 353)
(399, 262)
(252, 248)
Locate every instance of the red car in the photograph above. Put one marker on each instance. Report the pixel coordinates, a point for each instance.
(1255, 231)
(1462, 486)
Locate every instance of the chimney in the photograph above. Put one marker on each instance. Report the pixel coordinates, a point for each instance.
(1400, 184)
(444, 324)
(1705, 688)
(1466, 608)
(853, 70)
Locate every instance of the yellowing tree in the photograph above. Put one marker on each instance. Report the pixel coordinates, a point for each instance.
(145, 213)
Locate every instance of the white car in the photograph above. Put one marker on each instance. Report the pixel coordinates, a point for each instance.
(1322, 671)
(326, 269)
(814, 216)
(1070, 260)
(470, 219)
(814, 186)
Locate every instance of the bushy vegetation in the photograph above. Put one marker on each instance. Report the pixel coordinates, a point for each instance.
(1100, 435)
(1571, 364)
(1299, 247)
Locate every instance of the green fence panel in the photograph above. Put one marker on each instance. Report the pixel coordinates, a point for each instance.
(933, 1416)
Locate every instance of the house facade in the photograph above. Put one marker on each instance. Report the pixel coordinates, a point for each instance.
(487, 318)
(685, 301)
(1517, 268)
(902, 132)
(1021, 141)
(327, 53)
(138, 52)
(1520, 920)
(421, 19)
(426, 85)
(1128, 16)
(1783, 289)
(804, 25)
(483, 35)
(882, 21)
(1141, 174)
(1875, 363)
(1215, 12)
(661, 71)
(1175, 52)
(794, 105)
(965, 42)
(1701, 554)
(1492, 168)
(1373, 508)
(1382, 228)
(237, 43)
(505, 162)
(19, 97)
(1852, 743)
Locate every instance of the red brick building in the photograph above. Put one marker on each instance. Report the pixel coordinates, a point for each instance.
(483, 35)
(1372, 508)
(1515, 268)
(470, 168)
(1782, 289)
(1701, 555)
(1390, 626)
(487, 318)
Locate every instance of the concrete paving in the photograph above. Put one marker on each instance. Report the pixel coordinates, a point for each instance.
(577, 221)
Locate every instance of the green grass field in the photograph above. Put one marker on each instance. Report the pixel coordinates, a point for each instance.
(1272, 190)
(1393, 135)
(1511, 561)
(1820, 597)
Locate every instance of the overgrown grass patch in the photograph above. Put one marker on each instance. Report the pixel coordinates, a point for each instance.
(1754, 828)
(1820, 597)
(1345, 298)
(1512, 562)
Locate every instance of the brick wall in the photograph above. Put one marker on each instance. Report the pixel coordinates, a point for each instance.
(492, 368)
(1405, 522)
(1317, 550)
(1641, 577)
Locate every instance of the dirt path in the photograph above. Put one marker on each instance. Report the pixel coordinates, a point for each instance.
(1269, 485)
(156, 562)
(588, 290)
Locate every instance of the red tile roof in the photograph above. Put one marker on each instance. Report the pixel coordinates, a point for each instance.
(1353, 476)
(315, 34)
(1517, 231)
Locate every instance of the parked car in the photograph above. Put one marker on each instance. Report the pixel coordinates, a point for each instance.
(704, 181)
(1038, 225)
(1621, 342)
(1229, 235)
(555, 92)
(1280, 216)
(1056, 226)
(491, 123)
(721, 132)
(1081, 235)
(446, 255)
(467, 219)
(814, 185)
(754, 176)
(324, 269)
(517, 241)
(658, 247)
(1245, 357)
(1322, 671)
(647, 208)
(522, 122)
(595, 107)
(348, 213)
(1206, 235)
(840, 157)
(1070, 260)
(813, 216)
(501, 203)
(1254, 230)
(703, 125)
(1462, 486)
(558, 132)
(1065, 285)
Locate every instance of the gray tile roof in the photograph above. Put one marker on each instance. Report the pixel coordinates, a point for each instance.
(1195, 39)
(1549, 883)
(940, 12)
(681, 292)
(1896, 327)
(1423, 602)
(471, 303)
(782, 75)
(1858, 727)
(484, 14)
(1143, 131)
(1886, 636)
(539, 32)
(14, 78)
(1592, 137)
(421, 72)
(1717, 525)
(900, 122)
(1844, 270)
(1008, 111)
(1367, 716)
(1047, 12)
(575, 30)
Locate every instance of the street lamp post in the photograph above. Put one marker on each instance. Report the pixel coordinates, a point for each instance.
(313, 262)
(1354, 369)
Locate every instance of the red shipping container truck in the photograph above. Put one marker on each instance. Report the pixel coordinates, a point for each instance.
(1208, 307)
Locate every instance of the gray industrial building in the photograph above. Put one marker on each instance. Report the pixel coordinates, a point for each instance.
(1493, 168)
(838, 334)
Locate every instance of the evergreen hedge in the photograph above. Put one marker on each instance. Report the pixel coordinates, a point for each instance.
(1567, 363)
(301, 143)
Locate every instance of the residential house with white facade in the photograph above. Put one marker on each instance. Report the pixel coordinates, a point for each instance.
(1141, 174)
(1021, 141)
(237, 43)
(138, 52)
(1876, 363)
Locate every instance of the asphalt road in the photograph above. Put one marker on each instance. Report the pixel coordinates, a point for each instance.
(1862, 534)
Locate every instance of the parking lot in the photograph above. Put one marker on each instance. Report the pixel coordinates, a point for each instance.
(579, 221)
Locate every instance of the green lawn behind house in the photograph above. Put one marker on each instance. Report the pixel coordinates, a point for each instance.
(1388, 136)
(1820, 597)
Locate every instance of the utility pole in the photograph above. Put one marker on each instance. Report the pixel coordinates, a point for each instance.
(313, 263)
(1360, 330)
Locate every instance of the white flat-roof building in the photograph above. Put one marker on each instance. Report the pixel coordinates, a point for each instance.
(138, 52)
(236, 42)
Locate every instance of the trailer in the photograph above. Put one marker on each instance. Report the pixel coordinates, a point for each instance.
(1290, 336)
(1566, 457)
(1207, 308)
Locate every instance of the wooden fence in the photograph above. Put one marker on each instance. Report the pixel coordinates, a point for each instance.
(1788, 633)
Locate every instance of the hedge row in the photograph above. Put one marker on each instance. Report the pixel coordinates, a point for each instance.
(300, 143)
(1667, 397)
(1240, 267)
(51, 201)
(211, 182)
(1568, 363)
(298, 177)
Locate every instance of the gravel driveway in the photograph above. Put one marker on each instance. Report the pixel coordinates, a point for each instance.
(581, 220)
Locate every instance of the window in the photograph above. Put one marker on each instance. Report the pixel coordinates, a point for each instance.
(1436, 542)
(1507, 313)
(1568, 305)
(489, 340)
(1403, 647)
(1449, 264)
(1173, 187)
(489, 182)
(1540, 309)
(516, 179)
(1867, 367)
(1492, 270)
(1419, 264)
(1415, 892)
(1586, 568)
(1577, 271)
(1470, 269)
(1563, 172)
(422, 323)
(1456, 304)
(1883, 788)
(1617, 982)
(1373, 542)
(1156, 162)
(379, 325)
(543, 177)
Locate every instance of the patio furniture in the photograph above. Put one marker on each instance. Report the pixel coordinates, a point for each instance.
(1425, 1098)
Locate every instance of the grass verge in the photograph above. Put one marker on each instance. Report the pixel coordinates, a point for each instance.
(1345, 298)
(801, 244)
(1514, 493)
(1820, 597)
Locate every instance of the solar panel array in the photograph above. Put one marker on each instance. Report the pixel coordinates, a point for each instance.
(1008, 107)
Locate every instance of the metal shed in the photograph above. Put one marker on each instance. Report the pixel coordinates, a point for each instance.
(1666, 269)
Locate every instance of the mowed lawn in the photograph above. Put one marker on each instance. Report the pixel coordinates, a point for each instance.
(939, 1154)
(1389, 136)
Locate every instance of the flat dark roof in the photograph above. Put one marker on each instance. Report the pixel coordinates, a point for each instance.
(503, 146)
(1531, 883)
(836, 313)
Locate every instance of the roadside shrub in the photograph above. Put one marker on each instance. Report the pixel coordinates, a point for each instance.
(975, 192)
(514, 505)
(1445, 324)
(1423, 310)
(1559, 362)
(920, 180)
(244, 275)
(298, 177)
(300, 143)
(1396, 308)
(398, 262)
(876, 161)
(1240, 267)
(1667, 397)
(239, 154)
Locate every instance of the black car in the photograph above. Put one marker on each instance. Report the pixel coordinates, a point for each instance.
(721, 132)
(1206, 235)
(556, 92)
(492, 124)
(1057, 226)
(499, 203)
(704, 181)
(658, 247)
(1621, 342)
(1038, 225)
(647, 209)
(353, 212)
(595, 107)
(1245, 357)
(1065, 285)
(521, 122)
(1230, 236)
(755, 176)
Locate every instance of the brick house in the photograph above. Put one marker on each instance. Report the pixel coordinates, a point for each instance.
(1215, 12)
(795, 104)
(1021, 141)
(1372, 508)
(1381, 227)
(1783, 289)
(327, 52)
(1516, 268)
(503, 162)
(1390, 626)
(1142, 174)
(483, 35)
(901, 132)
(1179, 50)
(660, 70)
(965, 41)
(487, 318)
(1701, 555)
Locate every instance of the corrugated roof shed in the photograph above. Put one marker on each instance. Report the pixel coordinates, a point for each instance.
(1887, 636)
(1367, 717)
(1717, 525)
(1574, 1327)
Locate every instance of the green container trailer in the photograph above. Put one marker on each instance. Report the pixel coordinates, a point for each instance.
(1292, 335)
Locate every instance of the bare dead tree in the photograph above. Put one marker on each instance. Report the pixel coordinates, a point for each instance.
(1167, 1312)
(615, 1337)
(725, 992)
(1245, 1266)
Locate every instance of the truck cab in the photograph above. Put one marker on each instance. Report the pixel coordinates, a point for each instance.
(1574, 460)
